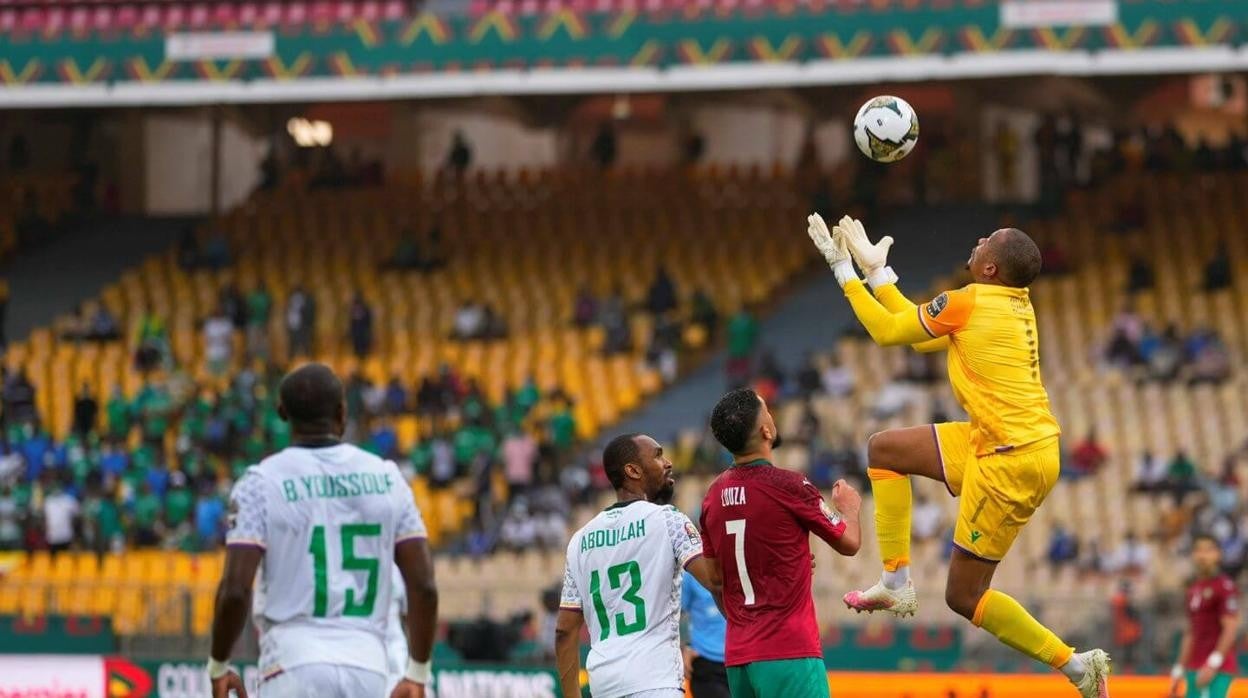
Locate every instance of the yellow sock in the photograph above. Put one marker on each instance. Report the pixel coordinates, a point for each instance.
(1013, 626)
(892, 516)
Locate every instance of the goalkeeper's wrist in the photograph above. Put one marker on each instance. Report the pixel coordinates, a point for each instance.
(844, 271)
(882, 276)
(418, 672)
(217, 669)
(1176, 671)
(1215, 661)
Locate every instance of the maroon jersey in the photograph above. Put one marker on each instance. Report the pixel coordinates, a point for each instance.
(757, 520)
(1208, 601)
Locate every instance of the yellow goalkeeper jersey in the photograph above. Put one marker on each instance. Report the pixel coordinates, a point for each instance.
(994, 354)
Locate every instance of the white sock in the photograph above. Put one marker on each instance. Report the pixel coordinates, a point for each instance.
(896, 580)
(1075, 668)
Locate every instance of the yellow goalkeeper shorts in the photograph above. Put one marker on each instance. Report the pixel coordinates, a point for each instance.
(997, 492)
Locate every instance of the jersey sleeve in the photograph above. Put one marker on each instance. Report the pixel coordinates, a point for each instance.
(249, 512)
(570, 597)
(816, 516)
(686, 541)
(708, 539)
(410, 524)
(895, 301)
(886, 328)
(948, 312)
(1229, 596)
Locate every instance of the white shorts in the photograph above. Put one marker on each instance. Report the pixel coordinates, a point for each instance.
(325, 681)
(658, 693)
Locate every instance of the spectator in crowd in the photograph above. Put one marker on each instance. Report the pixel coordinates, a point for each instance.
(18, 395)
(519, 452)
(259, 307)
(742, 340)
(459, 157)
(1088, 455)
(1181, 476)
(1150, 473)
(665, 342)
(1208, 359)
(585, 308)
(471, 321)
(300, 322)
(1140, 275)
(1093, 561)
(102, 326)
(1063, 548)
(218, 341)
(927, 518)
(614, 321)
(894, 397)
(1132, 556)
(1164, 354)
(1054, 259)
(1128, 627)
(661, 296)
(233, 306)
(809, 380)
(703, 314)
(1218, 269)
(838, 381)
(10, 518)
(603, 150)
(60, 510)
(86, 411)
(361, 326)
(117, 415)
(395, 397)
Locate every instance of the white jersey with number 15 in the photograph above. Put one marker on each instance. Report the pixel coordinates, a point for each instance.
(328, 520)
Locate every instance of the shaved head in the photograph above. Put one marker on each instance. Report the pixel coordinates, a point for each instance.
(311, 398)
(1008, 257)
(1018, 257)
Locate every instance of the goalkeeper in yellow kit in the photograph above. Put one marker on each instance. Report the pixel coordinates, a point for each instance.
(1001, 464)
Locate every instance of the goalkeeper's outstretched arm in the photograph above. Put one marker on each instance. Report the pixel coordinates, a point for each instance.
(896, 302)
(886, 328)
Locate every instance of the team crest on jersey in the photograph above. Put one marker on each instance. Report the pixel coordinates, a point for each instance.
(692, 532)
(937, 304)
(828, 512)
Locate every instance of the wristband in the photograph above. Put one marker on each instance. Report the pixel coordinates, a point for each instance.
(881, 277)
(844, 271)
(1215, 661)
(217, 669)
(1176, 672)
(418, 672)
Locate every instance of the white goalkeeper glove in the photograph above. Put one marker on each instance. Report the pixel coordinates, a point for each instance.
(871, 258)
(832, 247)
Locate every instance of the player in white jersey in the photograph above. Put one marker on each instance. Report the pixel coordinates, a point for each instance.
(327, 521)
(396, 632)
(623, 578)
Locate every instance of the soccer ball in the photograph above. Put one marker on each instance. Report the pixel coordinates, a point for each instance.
(886, 128)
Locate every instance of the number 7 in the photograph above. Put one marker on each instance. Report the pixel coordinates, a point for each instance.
(736, 529)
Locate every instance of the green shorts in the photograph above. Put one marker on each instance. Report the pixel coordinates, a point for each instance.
(1218, 688)
(779, 678)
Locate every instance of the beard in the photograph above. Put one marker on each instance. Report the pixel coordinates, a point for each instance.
(777, 442)
(665, 493)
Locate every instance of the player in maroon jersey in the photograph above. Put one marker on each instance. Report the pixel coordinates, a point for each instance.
(1207, 654)
(756, 523)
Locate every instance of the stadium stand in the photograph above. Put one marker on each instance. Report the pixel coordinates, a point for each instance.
(527, 266)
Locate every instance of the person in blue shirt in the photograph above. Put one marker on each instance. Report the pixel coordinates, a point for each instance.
(704, 657)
